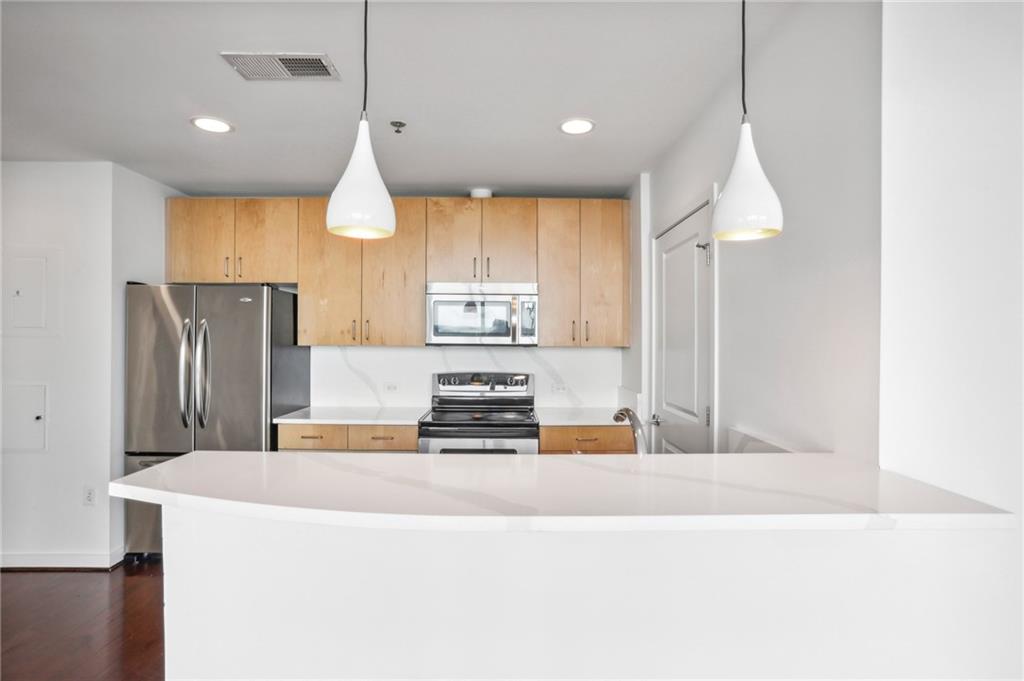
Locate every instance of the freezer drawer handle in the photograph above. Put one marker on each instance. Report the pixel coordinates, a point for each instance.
(205, 389)
(185, 374)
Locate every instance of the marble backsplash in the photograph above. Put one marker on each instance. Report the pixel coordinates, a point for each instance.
(376, 376)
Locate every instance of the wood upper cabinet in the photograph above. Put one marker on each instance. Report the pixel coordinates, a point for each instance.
(604, 272)
(509, 240)
(558, 271)
(330, 280)
(200, 235)
(266, 240)
(394, 279)
(453, 239)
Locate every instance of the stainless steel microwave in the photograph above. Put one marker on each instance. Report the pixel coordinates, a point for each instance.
(481, 314)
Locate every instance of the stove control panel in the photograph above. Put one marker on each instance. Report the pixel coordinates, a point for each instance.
(482, 382)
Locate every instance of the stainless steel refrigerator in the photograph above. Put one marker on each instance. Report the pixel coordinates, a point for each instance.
(207, 367)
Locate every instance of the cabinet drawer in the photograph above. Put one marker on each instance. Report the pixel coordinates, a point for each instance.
(386, 438)
(312, 436)
(586, 440)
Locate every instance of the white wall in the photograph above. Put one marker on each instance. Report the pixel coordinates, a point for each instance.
(362, 376)
(138, 255)
(83, 217)
(951, 247)
(798, 314)
(636, 371)
(64, 207)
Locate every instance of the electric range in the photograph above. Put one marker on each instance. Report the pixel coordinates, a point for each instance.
(480, 413)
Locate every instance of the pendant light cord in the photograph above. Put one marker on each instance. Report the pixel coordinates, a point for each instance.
(743, 56)
(366, 77)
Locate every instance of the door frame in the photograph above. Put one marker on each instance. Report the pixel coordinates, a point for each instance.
(708, 201)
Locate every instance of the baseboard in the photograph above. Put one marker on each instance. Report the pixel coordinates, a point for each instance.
(95, 561)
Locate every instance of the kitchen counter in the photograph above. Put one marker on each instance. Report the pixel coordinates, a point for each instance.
(616, 567)
(409, 416)
(355, 416)
(578, 416)
(494, 492)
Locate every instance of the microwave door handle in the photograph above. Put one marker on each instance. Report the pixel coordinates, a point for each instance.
(514, 339)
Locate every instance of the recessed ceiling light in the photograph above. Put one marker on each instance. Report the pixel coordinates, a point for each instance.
(577, 126)
(210, 124)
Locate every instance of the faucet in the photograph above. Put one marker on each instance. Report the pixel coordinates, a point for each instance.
(639, 438)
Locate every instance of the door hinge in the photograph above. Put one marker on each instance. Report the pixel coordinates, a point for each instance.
(706, 247)
(707, 416)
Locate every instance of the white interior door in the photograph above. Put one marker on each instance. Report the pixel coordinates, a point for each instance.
(682, 322)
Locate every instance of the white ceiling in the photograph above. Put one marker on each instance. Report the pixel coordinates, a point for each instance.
(483, 87)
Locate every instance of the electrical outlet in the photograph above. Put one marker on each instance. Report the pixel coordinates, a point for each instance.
(391, 387)
(89, 496)
(558, 388)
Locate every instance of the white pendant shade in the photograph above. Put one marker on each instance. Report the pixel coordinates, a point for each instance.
(748, 207)
(360, 206)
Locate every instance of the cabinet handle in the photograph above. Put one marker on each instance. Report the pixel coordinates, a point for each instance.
(488, 267)
(227, 263)
(474, 267)
(586, 328)
(312, 437)
(239, 266)
(382, 437)
(353, 329)
(574, 331)
(586, 439)
(366, 332)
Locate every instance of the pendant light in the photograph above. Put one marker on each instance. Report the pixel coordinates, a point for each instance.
(360, 206)
(748, 207)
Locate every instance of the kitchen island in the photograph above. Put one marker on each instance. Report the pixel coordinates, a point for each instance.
(332, 565)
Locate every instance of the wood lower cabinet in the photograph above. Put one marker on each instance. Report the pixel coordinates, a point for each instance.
(383, 438)
(312, 436)
(330, 280)
(200, 236)
(586, 440)
(604, 272)
(509, 240)
(453, 239)
(394, 279)
(558, 272)
(266, 240)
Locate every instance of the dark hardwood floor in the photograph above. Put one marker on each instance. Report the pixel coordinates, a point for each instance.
(83, 626)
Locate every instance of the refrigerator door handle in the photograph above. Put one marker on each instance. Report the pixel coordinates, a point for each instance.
(185, 403)
(203, 387)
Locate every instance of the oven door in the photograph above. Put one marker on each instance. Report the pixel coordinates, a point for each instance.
(484, 445)
(471, 319)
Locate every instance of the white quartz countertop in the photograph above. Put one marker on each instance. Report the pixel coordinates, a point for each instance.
(555, 493)
(409, 416)
(356, 416)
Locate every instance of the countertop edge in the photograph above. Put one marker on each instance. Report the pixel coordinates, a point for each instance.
(632, 523)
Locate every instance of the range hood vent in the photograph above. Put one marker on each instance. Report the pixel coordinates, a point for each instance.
(281, 65)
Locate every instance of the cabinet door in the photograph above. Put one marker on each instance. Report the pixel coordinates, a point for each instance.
(312, 436)
(453, 239)
(330, 277)
(509, 240)
(586, 440)
(266, 240)
(604, 272)
(394, 279)
(558, 271)
(200, 241)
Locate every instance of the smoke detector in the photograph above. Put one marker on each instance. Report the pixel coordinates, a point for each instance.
(281, 65)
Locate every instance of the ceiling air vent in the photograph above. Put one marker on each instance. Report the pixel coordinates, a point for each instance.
(281, 65)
